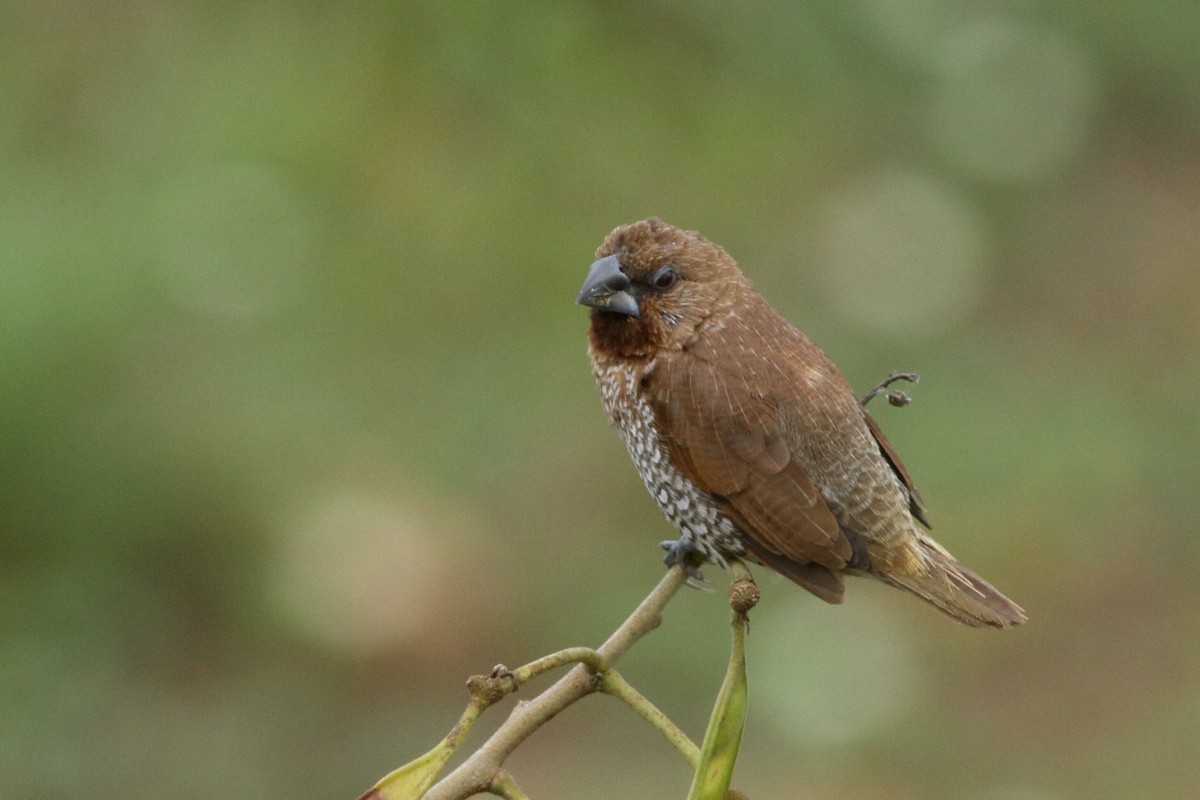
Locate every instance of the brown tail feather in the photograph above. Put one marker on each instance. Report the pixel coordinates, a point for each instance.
(958, 592)
(819, 580)
(944, 583)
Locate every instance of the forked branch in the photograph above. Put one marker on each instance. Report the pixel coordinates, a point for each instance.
(484, 772)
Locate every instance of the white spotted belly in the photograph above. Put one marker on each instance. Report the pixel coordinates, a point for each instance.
(691, 510)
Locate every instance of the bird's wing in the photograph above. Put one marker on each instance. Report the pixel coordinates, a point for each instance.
(733, 444)
(915, 504)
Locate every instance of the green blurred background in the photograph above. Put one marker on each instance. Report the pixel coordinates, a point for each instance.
(298, 429)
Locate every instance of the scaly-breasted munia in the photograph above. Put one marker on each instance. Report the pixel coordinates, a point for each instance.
(748, 437)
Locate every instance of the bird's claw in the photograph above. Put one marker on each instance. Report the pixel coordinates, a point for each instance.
(688, 557)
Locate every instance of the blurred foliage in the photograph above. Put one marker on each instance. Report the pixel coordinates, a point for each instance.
(297, 430)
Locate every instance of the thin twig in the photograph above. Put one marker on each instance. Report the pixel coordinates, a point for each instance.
(612, 683)
(572, 655)
(897, 397)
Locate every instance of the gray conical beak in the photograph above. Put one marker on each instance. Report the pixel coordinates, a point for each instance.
(608, 288)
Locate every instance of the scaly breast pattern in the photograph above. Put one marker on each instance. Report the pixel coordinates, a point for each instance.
(690, 509)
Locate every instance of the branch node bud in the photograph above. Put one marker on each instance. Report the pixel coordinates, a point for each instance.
(743, 596)
(487, 690)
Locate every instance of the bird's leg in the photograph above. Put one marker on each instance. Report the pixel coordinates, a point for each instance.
(681, 551)
(897, 397)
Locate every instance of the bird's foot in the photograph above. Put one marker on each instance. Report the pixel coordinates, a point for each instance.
(688, 557)
(895, 397)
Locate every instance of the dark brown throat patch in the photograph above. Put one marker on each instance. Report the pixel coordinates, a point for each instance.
(620, 336)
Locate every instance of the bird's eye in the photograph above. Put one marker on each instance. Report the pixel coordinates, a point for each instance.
(665, 277)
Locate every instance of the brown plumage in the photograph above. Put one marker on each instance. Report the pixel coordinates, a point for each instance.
(747, 436)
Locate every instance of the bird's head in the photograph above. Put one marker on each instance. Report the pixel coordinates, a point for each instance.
(652, 287)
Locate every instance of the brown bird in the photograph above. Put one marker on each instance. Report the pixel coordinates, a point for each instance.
(748, 437)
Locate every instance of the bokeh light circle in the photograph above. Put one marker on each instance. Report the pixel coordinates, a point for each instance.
(1012, 101)
(902, 253)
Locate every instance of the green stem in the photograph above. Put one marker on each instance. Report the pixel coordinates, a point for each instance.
(618, 687)
(504, 786)
(571, 655)
(719, 751)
